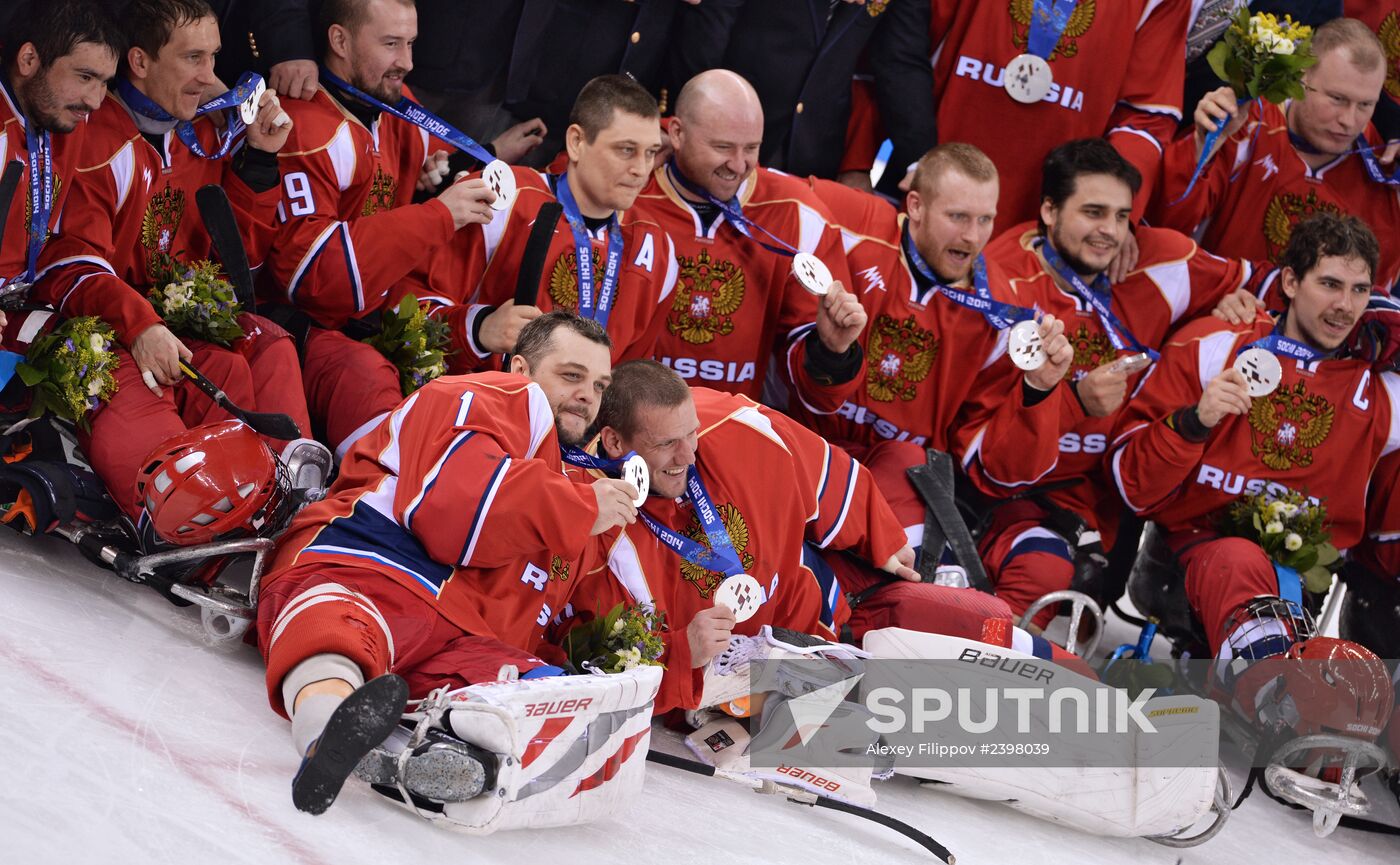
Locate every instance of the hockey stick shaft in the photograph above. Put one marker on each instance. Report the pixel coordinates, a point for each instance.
(527, 278)
(271, 424)
(820, 801)
(9, 184)
(222, 225)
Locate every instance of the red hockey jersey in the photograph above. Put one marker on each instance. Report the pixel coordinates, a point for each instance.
(810, 491)
(478, 268)
(349, 231)
(1320, 433)
(14, 245)
(129, 201)
(735, 302)
(1174, 282)
(1257, 187)
(458, 495)
(925, 353)
(1113, 76)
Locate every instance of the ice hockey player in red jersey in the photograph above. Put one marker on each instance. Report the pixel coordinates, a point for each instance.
(45, 99)
(704, 448)
(1031, 545)
(1207, 427)
(1018, 78)
(349, 231)
(145, 153)
(737, 228)
(630, 271)
(440, 553)
(1276, 165)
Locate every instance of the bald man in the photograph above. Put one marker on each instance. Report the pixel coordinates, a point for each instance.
(737, 227)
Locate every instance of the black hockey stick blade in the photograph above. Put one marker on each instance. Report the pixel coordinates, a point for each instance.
(527, 278)
(271, 424)
(222, 225)
(821, 801)
(9, 183)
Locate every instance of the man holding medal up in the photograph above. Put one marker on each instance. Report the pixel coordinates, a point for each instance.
(1276, 404)
(602, 261)
(762, 272)
(1059, 266)
(349, 231)
(145, 153)
(1276, 165)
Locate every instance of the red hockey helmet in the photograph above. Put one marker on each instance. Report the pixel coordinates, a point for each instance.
(213, 482)
(1339, 687)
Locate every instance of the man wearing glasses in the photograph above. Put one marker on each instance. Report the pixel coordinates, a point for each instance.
(1276, 165)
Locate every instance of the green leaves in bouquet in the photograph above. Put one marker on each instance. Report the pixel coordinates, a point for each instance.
(1261, 58)
(413, 341)
(1291, 529)
(71, 369)
(626, 637)
(194, 299)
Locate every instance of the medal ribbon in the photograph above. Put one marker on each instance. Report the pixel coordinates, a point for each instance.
(1207, 147)
(583, 459)
(1277, 343)
(721, 555)
(40, 195)
(227, 103)
(999, 315)
(1049, 18)
(732, 211)
(408, 110)
(1118, 334)
(1363, 148)
(595, 307)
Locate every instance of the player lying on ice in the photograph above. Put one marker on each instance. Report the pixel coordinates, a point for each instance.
(435, 562)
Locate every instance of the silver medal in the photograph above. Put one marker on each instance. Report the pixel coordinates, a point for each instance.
(742, 594)
(501, 179)
(812, 273)
(1028, 78)
(248, 110)
(636, 473)
(1024, 345)
(1261, 370)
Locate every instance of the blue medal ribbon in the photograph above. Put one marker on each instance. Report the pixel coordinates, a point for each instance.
(184, 129)
(1049, 18)
(583, 459)
(732, 211)
(596, 306)
(1207, 146)
(1099, 299)
(720, 556)
(1277, 343)
(40, 195)
(408, 110)
(1363, 148)
(999, 315)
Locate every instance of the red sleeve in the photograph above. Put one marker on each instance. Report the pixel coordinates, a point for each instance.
(468, 500)
(336, 269)
(1149, 100)
(76, 272)
(1150, 460)
(1001, 442)
(1179, 163)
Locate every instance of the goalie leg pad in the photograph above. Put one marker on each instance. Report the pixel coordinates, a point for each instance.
(570, 749)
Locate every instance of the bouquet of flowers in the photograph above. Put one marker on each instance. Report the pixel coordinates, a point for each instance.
(413, 341)
(195, 300)
(626, 637)
(1263, 58)
(1292, 529)
(70, 369)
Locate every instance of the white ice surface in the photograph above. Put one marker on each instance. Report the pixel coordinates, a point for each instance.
(131, 740)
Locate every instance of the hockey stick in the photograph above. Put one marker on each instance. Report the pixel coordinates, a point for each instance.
(9, 183)
(809, 798)
(271, 424)
(527, 278)
(222, 225)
